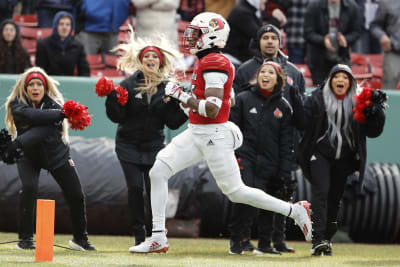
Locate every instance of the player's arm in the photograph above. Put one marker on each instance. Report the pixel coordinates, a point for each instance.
(214, 92)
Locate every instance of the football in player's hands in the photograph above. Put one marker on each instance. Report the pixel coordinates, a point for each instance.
(172, 89)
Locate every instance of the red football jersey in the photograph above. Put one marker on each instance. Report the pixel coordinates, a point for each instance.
(213, 62)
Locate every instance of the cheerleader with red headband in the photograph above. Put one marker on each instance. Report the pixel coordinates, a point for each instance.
(139, 106)
(35, 117)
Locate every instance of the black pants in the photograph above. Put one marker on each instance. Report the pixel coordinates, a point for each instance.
(328, 183)
(271, 226)
(67, 177)
(137, 178)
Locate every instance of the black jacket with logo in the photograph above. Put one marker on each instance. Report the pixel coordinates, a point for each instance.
(39, 131)
(267, 132)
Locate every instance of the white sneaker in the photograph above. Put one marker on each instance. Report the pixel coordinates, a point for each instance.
(301, 215)
(151, 245)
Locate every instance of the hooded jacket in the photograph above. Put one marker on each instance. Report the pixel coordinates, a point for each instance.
(313, 120)
(267, 133)
(58, 57)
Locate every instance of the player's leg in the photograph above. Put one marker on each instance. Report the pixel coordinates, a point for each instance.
(176, 156)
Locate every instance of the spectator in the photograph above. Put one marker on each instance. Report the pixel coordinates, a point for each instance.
(188, 9)
(34, 117)
(222, 7)
(267, 42)
(273, 14)
(28, 6)
(60, 53)
(237, 47)
(47, 9)
(266, 163)
(333, 147)
(296, 47)
(367, 44)
(101, 20)
(330, 28)
(155, 18)
(141, 121)
(385, 28)
(7, 9)
(13, 56)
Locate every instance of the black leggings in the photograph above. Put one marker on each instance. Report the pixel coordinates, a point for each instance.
(328, 183)
(67, 177)
(137, 178)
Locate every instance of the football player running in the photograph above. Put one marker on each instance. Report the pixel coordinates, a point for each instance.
(210, 135)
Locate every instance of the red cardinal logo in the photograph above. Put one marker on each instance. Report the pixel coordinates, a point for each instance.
(217, 24)
(278, 113)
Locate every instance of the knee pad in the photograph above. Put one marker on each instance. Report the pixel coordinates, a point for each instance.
(160, 171)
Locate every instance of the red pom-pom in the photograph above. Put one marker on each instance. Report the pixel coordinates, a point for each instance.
(104, 86)
(363, 100)
(77, 114)
(122, 95)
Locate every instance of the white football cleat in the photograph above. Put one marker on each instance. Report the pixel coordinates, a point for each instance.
(151, 245)
(301, 216)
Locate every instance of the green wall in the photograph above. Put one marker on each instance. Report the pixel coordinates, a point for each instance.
(386, 148)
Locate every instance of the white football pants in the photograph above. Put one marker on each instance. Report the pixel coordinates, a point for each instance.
(215, 143)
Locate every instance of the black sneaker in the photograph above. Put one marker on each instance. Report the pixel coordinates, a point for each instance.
(25, 244)
(266, 250)
(319, 248)
(235, 247)
(283, 248)
(247, 245)
(329, 252)
(82, 245)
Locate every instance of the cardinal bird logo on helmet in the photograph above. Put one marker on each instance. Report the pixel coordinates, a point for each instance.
(216, 24)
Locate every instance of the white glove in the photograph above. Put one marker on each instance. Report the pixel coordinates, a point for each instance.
(176, 91)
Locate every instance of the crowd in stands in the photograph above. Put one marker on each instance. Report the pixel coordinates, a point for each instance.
(316, 34)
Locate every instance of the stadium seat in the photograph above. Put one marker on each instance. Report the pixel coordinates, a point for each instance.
(35, 33)
(29, 20)
(304, 69)
(95, 61)
(111, 61)
(29, 44)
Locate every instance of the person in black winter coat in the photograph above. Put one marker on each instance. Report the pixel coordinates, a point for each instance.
(34, 117)
(245, 19)
(331, 27)
(264, 117)
(141, 122)
(268, 42)
(61, 53)
(14, 58)
(333, 147)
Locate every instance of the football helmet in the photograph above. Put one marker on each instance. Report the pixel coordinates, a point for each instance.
(206, 30)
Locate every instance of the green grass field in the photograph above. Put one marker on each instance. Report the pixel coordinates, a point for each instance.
(113, 251)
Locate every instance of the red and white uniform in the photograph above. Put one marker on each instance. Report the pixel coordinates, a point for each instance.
(213, 62)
